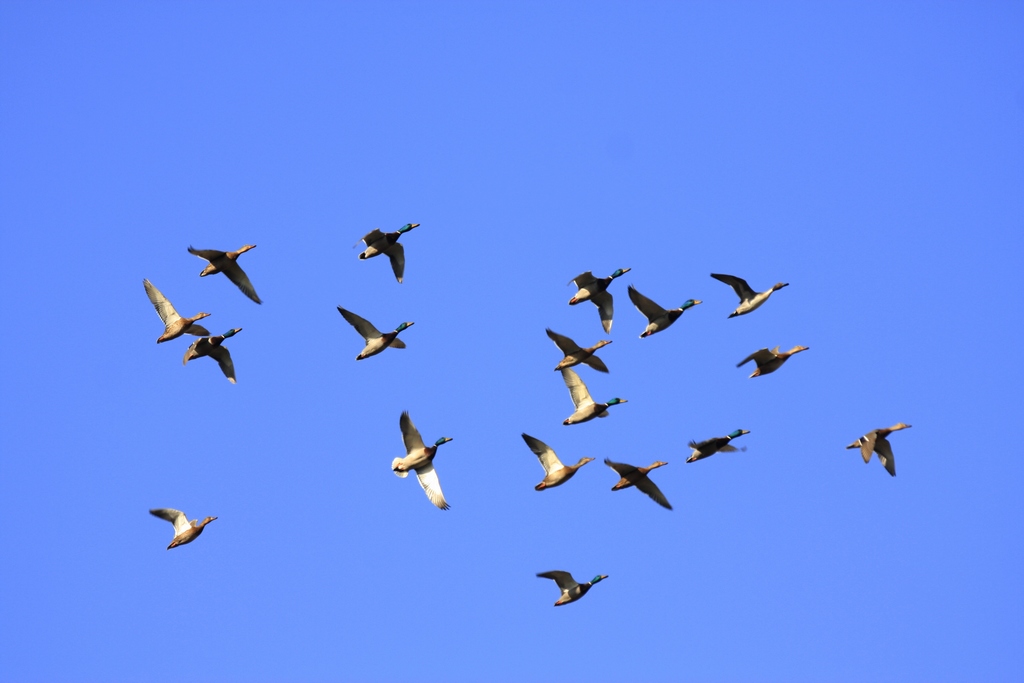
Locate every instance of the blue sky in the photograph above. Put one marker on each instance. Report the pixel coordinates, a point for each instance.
(870, 154)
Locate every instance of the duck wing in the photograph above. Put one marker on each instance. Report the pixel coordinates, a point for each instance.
(396, 252)
(563, 579)
(884, 451)
(548, 460)
(761, 356)
(583, 279)
(363, 326)
(603, 301)
(234, 272)
(866, 444)
(410, 435)
(739, 285)
(175, 517)
(651, 310)
(577, 389)
(372, 236)
(596, 363)
(564, 344)
(223, 358)
(163, 307)
(622, 468)
(653, 492)
(207, 254)
(427, 477)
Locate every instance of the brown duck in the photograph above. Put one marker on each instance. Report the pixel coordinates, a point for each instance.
(770, 361)
(184, 530)
(574, 355)
(555, 473)
(174, 324)
(876, 441)
(227, 262)
(637, 476)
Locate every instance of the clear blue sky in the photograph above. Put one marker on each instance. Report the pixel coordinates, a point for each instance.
(870, 154)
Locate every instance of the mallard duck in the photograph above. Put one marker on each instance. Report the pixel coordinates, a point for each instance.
(749, 299)
(184, 530)
(658, 318)
(594, 289)
(637, 476)
(174, 324)
(715, 445)
(586, 409)
(571, 591)
(555, 473)
(211, 346)
(770, 361)
(227, 262)
(378, 242)
(574, 355)
(375, 341)
(421, 459)
(876, 441)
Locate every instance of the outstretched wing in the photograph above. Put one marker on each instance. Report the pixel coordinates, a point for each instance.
(563, 579)
(548, 460)
(884, 451)
(596, 363)
(760, 357)
(207, 254)
(175, 517)
(223, 358)
(163, 307)
(650, 488)
(396, 252)
(603, 301)
(739, 285)
(866, 444)
(565, 345)
(584, 279)
(363, 326)
(577, 389)
(410, 435)
(427, 477)
(651, 310)
(622, 468)
(235, 273)
(372, 236)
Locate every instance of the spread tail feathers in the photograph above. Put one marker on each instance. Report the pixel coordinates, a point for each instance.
(398, 473)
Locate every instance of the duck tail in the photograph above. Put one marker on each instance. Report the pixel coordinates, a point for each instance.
(398, 473)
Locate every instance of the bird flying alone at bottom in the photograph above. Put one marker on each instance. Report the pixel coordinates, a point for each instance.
(595, 289)
(227, 262)
(378, 243)
(876, 441)
(420, 459)
(212, 347)
(555, 473)
(717, 444)
(571, 591)
(184, 530)
(770, 361)
(375, 341)
(658, 318)
(586, 409)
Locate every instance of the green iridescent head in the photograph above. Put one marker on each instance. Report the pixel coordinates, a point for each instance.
(620, 271)
(407, 227)
(231, 333)
(403, 326)
(690, 303)
(443, 439)
(599, 578)
(616, 401)
(738, 432)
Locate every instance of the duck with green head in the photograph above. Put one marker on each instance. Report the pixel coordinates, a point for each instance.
(375, 340)
(658, 318)
(571, 590)
(378, 243)
(420, 459)
(718, 444)
(586, 409)
(595, 289)
(212, 347)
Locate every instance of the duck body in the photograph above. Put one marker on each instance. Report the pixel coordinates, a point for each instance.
(212, 347)
(375, 340)
(658, 318)
(876, 441)
(184, 530)
(715, 445)
(174, 324)
(378, 243)
(571, 590)
(227, 262)
(749, 299)
(637, 476)
(595, 290)
(586, 408)
(770, 361)
(555, 473)
(419, 458)
(574, 355)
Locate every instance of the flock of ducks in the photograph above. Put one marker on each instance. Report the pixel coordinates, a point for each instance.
(419, 458)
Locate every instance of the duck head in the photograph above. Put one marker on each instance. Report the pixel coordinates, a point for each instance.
(443, 439)
(403, 326)
(407, 227)
(620, 271)
(738, 432)
(780, 285)
(598, 578)
(616, 401)
(232, 333)
(690, 303)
